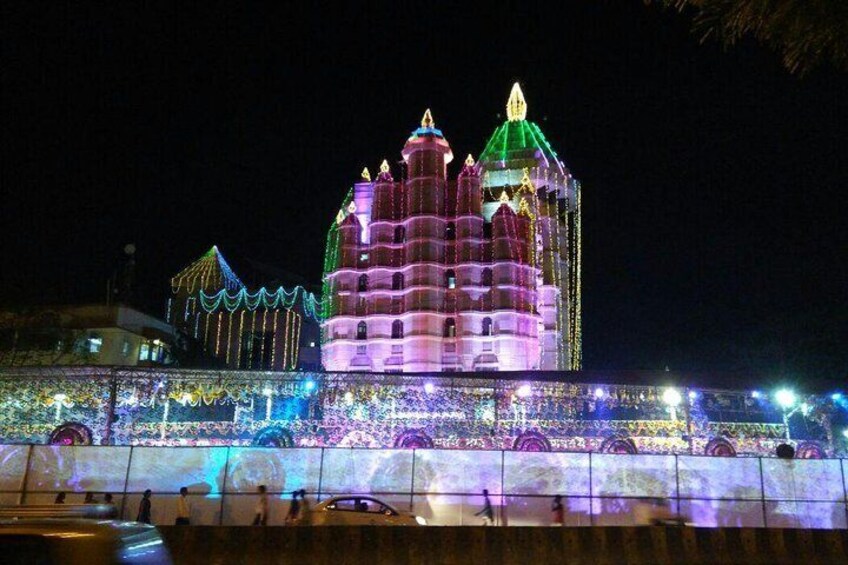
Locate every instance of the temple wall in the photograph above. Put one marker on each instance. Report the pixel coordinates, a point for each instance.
(443, 486)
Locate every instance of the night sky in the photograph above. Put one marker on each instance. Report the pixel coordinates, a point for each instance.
(714, 183)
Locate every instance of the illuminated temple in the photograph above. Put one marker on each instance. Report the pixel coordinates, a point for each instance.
(450, 321)
(480, 273)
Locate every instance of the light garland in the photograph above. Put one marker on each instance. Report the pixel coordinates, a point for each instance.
(211, 271)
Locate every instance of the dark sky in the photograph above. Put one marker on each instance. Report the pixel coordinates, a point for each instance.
(714, 182)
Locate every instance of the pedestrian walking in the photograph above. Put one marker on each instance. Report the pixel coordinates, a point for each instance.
(183, 509)
(144, 508)
(60, 498)
(294, 510)
(558, 511)
(261, 518)
(305, 509)
(486, 512)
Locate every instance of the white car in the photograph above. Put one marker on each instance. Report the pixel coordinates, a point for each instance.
(360, 511)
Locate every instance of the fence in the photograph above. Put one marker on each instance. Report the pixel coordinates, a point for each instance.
(443, 486)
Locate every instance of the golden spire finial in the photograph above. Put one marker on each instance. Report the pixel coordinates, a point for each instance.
(504, 198)
(469, 160)
(516, 107)
(366, 174)
(427, 121)
(351, 208)
(384, 166)
(524, 208)
(340, 217)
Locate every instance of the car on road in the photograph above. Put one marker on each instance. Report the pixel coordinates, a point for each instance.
(361, 511)
(79, 534)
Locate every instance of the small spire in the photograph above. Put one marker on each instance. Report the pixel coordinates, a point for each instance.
(504, 197)
(526, 183)
(469, 161)
(427, 121)
(366, 174)
(516, 107)
(351, 208)
(340, 217)
(384, 166)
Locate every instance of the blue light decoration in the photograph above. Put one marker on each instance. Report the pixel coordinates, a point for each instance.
(264, 298)
(309, 385)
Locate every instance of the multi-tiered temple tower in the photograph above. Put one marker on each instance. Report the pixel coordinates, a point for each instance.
(481, 273)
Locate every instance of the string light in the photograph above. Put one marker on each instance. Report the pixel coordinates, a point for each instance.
(211, 271)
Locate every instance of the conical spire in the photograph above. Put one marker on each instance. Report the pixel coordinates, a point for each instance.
(427, 121)
(504, 199)
(524, 209)
(526, 183)
(209, 273)
(469, 160)
(516, 106)
(384, 166)
(366, 174)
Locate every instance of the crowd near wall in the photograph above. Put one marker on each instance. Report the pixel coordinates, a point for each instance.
(443, 486)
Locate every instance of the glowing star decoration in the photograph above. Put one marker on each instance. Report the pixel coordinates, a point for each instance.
(366, 174)
(427, 121)
(516, 106)
(351, 208)
(469, 160)
(504, 199)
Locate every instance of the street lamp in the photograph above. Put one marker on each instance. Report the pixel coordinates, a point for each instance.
(785, 398)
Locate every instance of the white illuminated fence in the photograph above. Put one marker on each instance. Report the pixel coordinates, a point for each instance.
(443, 486)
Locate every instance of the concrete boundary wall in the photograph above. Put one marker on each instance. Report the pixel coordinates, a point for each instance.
(506, 546)
(443, 486)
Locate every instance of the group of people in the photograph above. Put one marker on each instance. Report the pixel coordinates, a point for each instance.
(298, 511)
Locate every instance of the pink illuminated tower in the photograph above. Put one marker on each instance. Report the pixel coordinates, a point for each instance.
(427, 274)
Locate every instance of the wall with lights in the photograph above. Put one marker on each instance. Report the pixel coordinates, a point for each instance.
(314, 409)
(477, 274)
(443, 487)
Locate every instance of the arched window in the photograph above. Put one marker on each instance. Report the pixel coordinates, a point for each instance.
(487, 230)
(397, 281)
(450, 231)
(363, 283)
(400, 234)
(487, 326)
(486, 277)
(362, 331)
(397, 329)
(450, 278)
(450, 327)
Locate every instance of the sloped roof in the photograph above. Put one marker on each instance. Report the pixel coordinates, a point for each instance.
(210, 273)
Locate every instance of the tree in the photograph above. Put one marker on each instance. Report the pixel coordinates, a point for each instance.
(806, 33)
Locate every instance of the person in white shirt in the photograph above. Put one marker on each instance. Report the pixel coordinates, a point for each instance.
(261, 518)
(183, 509)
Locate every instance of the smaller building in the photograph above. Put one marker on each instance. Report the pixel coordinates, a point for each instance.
(268, 329)
(91, 334)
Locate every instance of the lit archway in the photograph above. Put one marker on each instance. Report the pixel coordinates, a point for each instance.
(70, 433)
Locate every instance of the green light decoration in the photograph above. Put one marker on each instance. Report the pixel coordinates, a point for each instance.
(517, 134)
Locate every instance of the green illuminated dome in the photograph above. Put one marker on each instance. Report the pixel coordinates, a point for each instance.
(519, 142)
